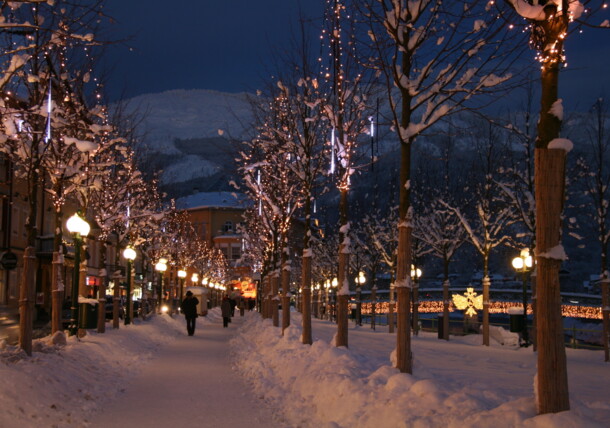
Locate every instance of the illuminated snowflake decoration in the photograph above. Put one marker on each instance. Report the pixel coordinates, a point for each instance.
(469, 301)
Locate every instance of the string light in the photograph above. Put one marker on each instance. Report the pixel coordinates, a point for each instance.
(495, 307)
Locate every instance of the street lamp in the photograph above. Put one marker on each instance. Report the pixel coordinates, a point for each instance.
(360, 280)
(334, 284)
(523, 264)
(415, 275)
(130, 255)
(79, 228)
(181, 275)
(161, 267)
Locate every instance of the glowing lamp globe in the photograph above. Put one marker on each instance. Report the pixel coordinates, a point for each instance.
(129, 253)
(181, 273)
(76, 224)
(160, 267)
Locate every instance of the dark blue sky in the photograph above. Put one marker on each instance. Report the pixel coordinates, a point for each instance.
(203, 44)
(226, 46)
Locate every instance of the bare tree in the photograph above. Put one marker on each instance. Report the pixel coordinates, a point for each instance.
(438, 56)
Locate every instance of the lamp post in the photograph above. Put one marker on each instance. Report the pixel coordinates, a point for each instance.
(334, 284)
(161, 267)
(360, 280)
(205, 281)
(79, 228)
(522, 264)
(130, 255)
(415, 275)
(182, 276)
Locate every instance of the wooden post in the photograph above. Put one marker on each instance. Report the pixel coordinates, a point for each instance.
(486, 284)
(306, 304)
(57, 291)
(285, 289)
(26, 300)
(373, 305)
(446, 303)
(606, 314)
(275, 304)
(403, 336)
(116, 298)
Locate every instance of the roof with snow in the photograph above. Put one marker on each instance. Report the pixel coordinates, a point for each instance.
(213, 200)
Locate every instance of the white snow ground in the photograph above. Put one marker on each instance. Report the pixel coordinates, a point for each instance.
(153, 374)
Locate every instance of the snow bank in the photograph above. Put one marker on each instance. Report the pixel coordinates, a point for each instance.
(60, 386)
(324, 386)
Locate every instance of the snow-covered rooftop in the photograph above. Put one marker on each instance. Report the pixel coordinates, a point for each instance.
(213, 200)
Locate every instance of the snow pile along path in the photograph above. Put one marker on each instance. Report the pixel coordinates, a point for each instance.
(456, 384)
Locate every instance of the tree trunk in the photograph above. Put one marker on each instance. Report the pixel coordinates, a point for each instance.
(306, 303)
(415, 315)
(275, 304)
(446, 303)
(403, 336)
(373, 306)
(391, 308)
(552, 379)
(116, 298)
(285, 291)
(101, 297)
(606, 314)
(486, 283)
(57, 292)
(26, 300)
(82, 291)
(342, 277)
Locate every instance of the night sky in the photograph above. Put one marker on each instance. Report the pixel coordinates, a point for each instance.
(202, 44)
(228, 46)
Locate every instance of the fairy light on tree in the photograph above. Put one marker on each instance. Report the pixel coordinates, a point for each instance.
(345, 111)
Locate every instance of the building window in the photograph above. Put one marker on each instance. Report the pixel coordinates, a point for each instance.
(235, 253)
(228, 227)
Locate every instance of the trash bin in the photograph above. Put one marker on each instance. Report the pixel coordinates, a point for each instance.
(516, 320)
(88, 316)
(441, 326)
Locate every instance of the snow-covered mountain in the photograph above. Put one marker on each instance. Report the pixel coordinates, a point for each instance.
(188, 134)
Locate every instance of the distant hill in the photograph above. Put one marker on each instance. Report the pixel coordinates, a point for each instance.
(190, 136)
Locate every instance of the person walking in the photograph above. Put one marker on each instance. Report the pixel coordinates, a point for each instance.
(189, 309)
(225, 309)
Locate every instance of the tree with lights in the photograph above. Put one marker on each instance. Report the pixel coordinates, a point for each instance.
(346, 112)
(493, 216)
(550, 23)
(307, 129)
(433, 57)
(270, 180)
(437, 227)
(40, 64)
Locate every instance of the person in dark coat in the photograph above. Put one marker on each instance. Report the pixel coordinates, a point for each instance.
(189, 309)
(225, 309)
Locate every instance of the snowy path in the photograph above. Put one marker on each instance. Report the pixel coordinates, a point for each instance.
(190, 382)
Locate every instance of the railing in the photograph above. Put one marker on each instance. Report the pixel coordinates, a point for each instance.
(573, 336)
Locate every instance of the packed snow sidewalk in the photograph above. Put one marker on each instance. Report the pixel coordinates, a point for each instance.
(189, 383)
(149, 374)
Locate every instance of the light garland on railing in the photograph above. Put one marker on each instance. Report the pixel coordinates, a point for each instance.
(436, 306)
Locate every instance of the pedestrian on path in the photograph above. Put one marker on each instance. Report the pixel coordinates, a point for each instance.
(225, 308)
(189, 309)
